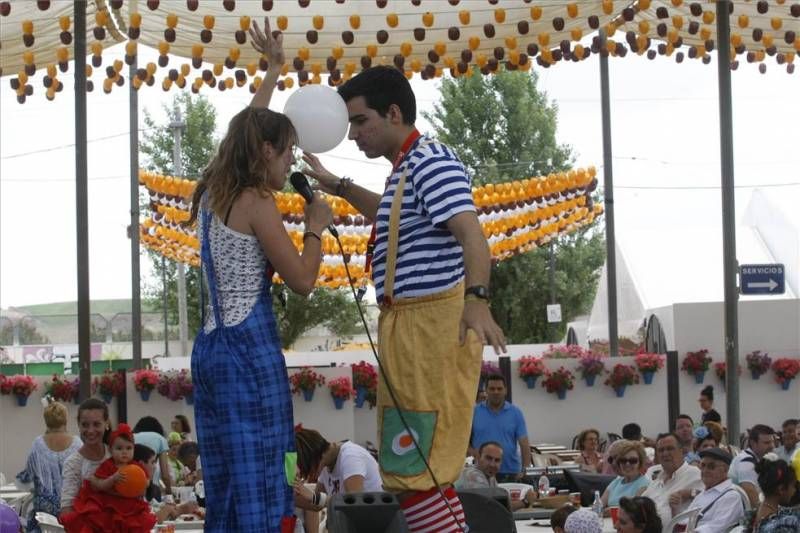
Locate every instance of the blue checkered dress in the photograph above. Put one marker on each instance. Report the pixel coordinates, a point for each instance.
(243, 413)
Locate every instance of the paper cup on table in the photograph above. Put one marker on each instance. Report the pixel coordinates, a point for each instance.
(614, 513)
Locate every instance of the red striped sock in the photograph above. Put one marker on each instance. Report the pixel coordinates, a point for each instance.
(427, 512)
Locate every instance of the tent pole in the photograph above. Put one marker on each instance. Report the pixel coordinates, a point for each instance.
(728, 219)
(608, 195)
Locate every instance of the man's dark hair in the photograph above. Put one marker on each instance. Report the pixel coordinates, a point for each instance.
(496, 377)
(489, 443)
(381, 87)
(665, 435)
(759, 429)
(148, 423)
(632, 431)
(789, 422)
(559, 516)
(187, 449)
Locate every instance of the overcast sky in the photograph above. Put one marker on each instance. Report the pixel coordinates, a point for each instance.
(665, 136)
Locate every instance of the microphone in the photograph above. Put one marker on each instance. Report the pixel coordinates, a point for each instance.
(300, 184)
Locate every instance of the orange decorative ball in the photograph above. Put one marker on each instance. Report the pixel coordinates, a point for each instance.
(135, 482)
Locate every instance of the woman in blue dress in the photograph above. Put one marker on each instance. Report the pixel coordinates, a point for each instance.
(243, 407)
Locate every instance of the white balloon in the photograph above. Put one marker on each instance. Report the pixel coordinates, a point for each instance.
(319, 116)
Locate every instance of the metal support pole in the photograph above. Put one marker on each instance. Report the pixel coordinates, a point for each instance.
(551, 279)
(728, 219)
(82, 199)
(177, 126)
(133, 144)
(608, 194)
(164, 289)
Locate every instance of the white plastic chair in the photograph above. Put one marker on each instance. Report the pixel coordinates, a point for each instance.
(48, 523)
(737, 529)
(689, 516)
(744, 496)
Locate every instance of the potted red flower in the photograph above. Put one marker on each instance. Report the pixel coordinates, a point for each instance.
(758, 363)
(648, 364)
(721, 371)
(306, 381)
(183, 381)
(620, 377)
(785, 371)
(530, 369)
(61, 389)
(144, 381)
(696, 364)
(590, 366)
(365, 379)
(108, 385)
(559, 382)
(341, 390)
(21, 387)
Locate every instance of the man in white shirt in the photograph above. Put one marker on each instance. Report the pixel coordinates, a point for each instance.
(677, 483)
(720, 503)
(788, 440)
(761, 441)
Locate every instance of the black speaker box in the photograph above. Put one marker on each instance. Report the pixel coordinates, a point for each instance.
(365, 512)
(487, 510)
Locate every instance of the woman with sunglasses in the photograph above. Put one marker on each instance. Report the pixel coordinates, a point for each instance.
(631, 464)
(638, 515)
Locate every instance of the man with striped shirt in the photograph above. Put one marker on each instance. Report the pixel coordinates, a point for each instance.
(431, 267)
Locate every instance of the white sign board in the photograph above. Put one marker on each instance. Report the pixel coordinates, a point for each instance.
(554, 313)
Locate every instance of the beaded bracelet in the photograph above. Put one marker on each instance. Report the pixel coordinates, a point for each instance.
(342, 186)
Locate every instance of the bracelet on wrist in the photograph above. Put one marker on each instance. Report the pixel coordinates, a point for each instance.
(310, 233)
(343, 186)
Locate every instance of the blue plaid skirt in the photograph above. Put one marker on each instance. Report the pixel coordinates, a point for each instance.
(243, 413)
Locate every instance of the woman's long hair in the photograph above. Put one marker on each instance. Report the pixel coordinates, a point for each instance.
(310, 446)
(239, 162)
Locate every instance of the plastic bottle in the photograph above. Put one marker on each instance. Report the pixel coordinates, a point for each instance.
(597, 505)
(544, 485)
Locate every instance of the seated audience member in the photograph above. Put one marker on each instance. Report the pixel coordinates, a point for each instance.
(500, 421)
(149, 431)
(189, 455)
(482, 474)
(703, 439)
(177, 470)
(633, 431)
(590, 458)
(631, 481)
(559, 517)
(684, 426)
(779, 484)
(677, 482)
(163, 511)
(638, 515)
(761, 441)
(720, 504)
(609, 467)
(706, 402)
(180, 424)
(583, 521)
(788, 440)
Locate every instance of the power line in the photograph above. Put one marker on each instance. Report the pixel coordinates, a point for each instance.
(65, 146)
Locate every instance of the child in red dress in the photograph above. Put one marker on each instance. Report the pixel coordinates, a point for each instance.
(99, 507)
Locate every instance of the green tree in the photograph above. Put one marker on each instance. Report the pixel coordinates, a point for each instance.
(334, 309)
(503, 127)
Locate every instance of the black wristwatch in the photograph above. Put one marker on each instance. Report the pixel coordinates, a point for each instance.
(478, 291)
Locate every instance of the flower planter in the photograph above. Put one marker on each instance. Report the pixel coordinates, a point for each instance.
(786, 384)
(338, 402)
(755, 374)
(361, 396)
(189, 398)
(106, 397)
(648, 375)
(589, 380)
(699, 377)
(22, 401)
(530, 381)
(145, 394)
(562, 395)
(308, 394)
(620, 391)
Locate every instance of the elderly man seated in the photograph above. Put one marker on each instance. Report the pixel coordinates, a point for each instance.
(720, 504)
(482, 475)
(677, 482)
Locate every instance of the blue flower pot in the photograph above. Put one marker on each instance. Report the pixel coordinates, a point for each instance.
(189, 398)
(530, 381)
(77, 399)
(699, 377)
(106, 397)
(145, 394)
(308, 394)
(620, 391)
(562, 395)
(786, 384)
(648, 377)
(22, 401)
(755, 374)
(590, 380)
(338, 402)
(361, 395)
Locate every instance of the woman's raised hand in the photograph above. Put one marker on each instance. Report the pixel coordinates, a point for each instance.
(264, 43)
